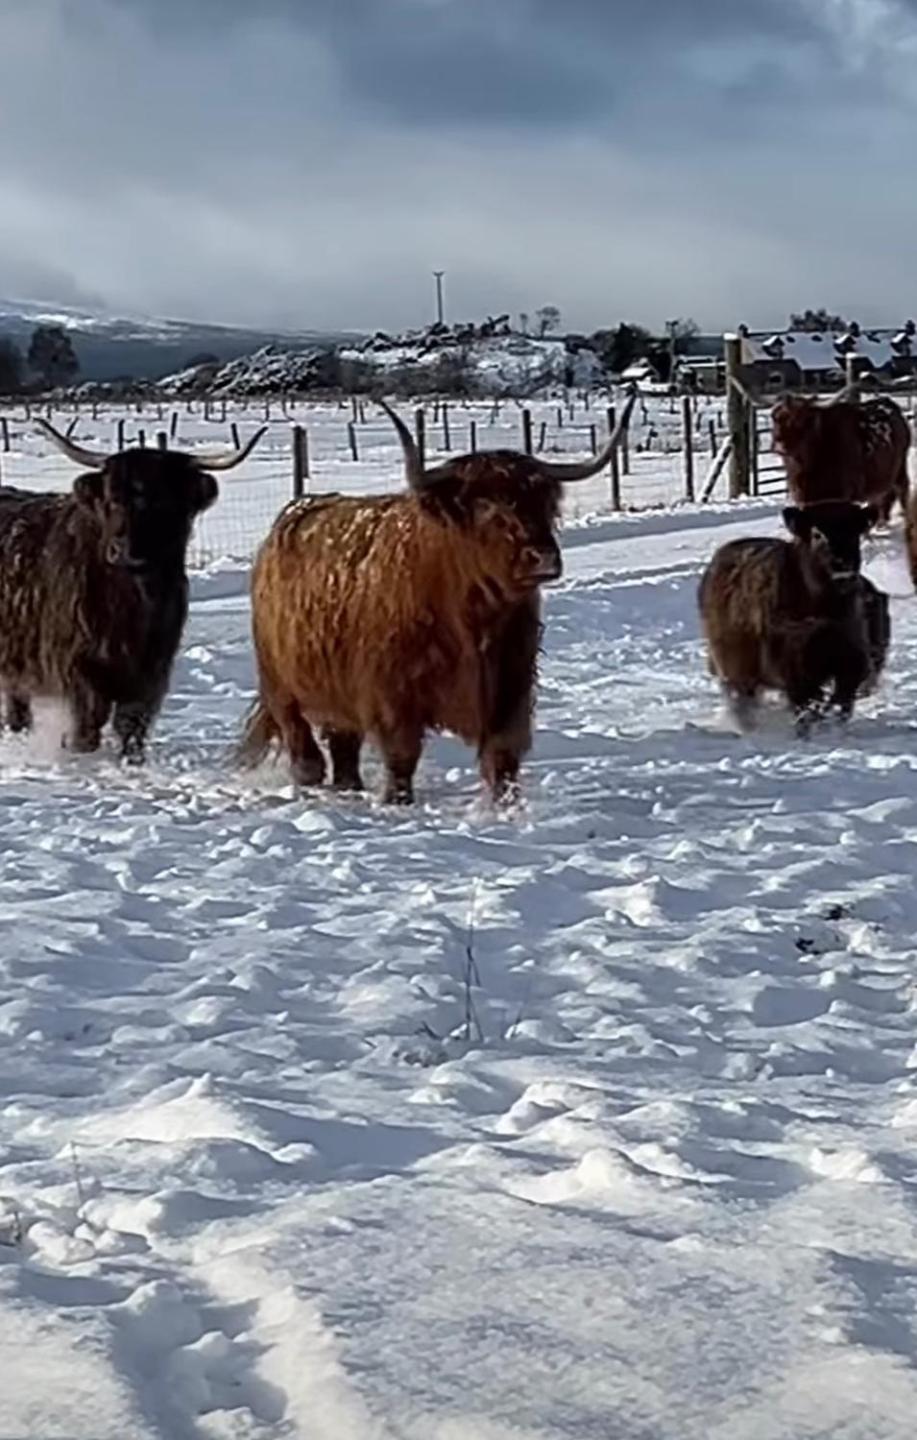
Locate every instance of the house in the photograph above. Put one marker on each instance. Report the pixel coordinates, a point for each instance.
(802, 359)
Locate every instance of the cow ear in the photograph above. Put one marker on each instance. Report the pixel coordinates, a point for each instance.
(203, 491)
(794, 518)
(88, 490)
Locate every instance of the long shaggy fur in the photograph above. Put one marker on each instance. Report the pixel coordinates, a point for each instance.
(94, 595)
(390, 617)
(777, 617)
(844, 451)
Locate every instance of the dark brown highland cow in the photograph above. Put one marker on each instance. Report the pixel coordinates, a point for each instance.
(93, 590)
(390, 617)
(841, 450)
(796, 616)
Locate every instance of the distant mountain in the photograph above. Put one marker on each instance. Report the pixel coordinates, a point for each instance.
(111, 346)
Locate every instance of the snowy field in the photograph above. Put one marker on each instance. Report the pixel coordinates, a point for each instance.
(597, 1121)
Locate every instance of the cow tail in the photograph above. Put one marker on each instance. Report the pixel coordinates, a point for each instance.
(260, 729)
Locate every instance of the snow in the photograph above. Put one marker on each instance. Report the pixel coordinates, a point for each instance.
(593, 1120)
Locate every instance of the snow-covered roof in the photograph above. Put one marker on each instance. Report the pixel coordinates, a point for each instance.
(825, 350)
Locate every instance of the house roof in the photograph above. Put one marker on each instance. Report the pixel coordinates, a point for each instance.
(826, 350)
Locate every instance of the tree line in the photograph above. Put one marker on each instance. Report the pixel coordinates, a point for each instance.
(50, 361)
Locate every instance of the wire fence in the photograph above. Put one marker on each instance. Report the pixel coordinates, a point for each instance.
(353, 449)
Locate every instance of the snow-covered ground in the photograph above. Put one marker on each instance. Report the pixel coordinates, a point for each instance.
(597, 1120)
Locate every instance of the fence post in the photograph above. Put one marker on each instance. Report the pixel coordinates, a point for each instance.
(593, 441)
(560, 417)
(173, 425)
(473, 437)
(234, 432)
(141, 439)
(542, 436)
(162, 440)
(447, 438)
(5, 425)
(850, 372)
(352, 437)
(121, 433)
(625, 449)
(736, 420)
(689, 446)
(420, 433)
(300, 461)
(711, 431)
(527, 431)
(752, 416)
(614, 472)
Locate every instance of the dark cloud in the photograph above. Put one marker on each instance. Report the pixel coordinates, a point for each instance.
(309, 163)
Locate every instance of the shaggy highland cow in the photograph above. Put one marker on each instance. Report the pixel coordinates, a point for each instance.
(393, 616)
(841, 450)
(93, 590)
(796, 616)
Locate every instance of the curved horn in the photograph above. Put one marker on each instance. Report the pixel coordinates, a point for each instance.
(584, 471)
(79, 454)
(413, 465)
(225, 459)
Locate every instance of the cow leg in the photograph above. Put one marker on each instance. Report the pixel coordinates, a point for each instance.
(509, 685)
(18, 712)
(401, 753)
(306, 760)
(742, 706)
(500, 770)
(132, 722)
(807, 703)
(90, 714)
(344, 746)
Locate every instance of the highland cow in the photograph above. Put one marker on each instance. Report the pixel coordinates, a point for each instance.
(796, 616)
(93, 589)
(389, 617)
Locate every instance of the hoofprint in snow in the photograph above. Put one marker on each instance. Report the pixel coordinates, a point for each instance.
(594, 1120)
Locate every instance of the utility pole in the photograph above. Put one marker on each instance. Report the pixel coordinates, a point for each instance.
(438, 277)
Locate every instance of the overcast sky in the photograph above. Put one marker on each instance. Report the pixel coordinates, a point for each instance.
(307, 163)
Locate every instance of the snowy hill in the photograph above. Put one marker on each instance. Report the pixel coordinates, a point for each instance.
(111, 346)
(496, 360)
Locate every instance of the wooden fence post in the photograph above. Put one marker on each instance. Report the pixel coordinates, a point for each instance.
(141, 439)
(5, 425)
(736, 420)
(473, 437)
(352, 437)
(234, 433)
(711, 431)
(300, 461)
(560, 417)
(121, 433)
(527, 431)
(688, 430)
(420, 432)
(593, 440)
(162, 440)
(625, 450)
(173, 425)
(447, 438)
(614, 470)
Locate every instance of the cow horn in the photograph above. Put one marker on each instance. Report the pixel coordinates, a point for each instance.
(413, 465)
(225, 459)
(567, 473)
(79, 454)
